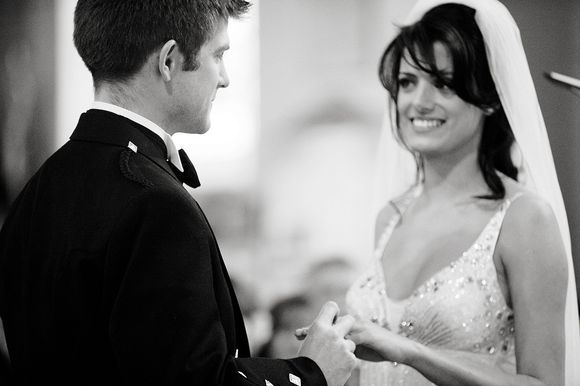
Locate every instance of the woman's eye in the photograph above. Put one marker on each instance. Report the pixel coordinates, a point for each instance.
(439, 84)
(404, 82)
(443, 86)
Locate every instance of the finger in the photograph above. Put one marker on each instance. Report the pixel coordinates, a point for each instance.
(343, 325)
(350, 345)
(328, 313)
(301, 333)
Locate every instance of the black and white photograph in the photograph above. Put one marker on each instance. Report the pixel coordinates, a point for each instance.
(290, 192)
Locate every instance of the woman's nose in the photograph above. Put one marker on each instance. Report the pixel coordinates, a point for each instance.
(424, 97)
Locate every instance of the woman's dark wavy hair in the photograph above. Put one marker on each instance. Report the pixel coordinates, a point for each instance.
(115, 37)
(454, 26)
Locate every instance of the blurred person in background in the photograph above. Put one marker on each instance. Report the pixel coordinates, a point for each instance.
(328, 279)
(257, 319)
(288, 314)
(109, 270)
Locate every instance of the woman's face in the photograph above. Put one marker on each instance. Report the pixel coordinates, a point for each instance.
(433, 120)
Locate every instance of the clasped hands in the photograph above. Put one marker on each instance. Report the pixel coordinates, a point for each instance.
(334, 342)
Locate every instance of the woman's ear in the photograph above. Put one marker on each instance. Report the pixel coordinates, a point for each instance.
(490, 110)
(167, 61)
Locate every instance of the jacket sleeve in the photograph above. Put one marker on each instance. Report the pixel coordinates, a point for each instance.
(165, 324)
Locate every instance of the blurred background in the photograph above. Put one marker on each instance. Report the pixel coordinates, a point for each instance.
(287, 167)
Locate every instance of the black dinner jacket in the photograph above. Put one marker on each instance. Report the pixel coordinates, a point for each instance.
(110, 274)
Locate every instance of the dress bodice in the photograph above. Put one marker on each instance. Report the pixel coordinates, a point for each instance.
(460, 309)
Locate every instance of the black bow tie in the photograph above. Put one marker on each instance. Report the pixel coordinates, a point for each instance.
(188, 176)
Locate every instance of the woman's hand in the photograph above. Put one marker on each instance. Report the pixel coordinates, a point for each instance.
(375, 343)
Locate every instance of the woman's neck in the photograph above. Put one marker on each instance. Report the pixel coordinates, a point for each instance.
(449, 178)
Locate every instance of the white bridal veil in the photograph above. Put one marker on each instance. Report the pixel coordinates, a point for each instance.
(513, 81)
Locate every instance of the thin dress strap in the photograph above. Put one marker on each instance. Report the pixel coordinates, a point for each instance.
(497, 220)
(400, 206)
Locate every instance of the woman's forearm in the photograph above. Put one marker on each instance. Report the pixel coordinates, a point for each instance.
(446, 367)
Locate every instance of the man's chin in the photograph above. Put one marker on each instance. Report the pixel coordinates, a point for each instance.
(199, 129)
(202, 130)
(202, 127)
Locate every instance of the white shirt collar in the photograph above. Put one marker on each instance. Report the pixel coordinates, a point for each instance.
(172, 152)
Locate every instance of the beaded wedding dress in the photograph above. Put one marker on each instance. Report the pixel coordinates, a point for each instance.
(460, 309)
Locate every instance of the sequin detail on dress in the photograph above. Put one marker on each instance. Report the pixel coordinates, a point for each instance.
(460, 309)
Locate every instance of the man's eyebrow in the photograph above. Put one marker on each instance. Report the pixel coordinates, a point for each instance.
(222, 48)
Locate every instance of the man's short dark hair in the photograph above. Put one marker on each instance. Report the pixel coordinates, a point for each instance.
(115, 37)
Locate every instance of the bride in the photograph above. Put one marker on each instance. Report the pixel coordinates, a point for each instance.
(472, 281)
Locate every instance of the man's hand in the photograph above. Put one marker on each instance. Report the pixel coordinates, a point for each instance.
(326, 345)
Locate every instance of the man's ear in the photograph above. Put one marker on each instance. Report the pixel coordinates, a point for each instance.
(167, 61)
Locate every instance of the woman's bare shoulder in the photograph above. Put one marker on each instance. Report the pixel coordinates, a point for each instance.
(529, 224)
(527, 205)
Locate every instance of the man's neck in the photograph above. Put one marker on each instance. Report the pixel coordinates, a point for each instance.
(130, 95)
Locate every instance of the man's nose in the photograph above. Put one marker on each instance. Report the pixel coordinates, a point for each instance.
(224, 78)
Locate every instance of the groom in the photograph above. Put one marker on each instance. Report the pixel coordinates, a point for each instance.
(109, 271)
